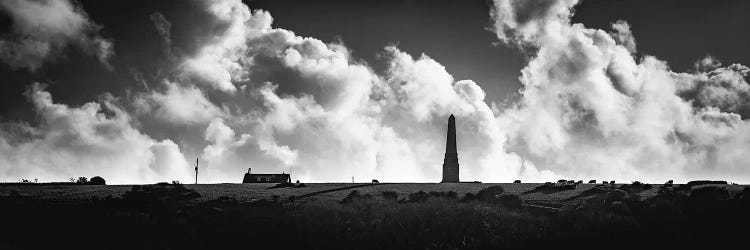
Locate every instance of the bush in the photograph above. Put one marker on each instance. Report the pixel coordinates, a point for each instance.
(355, 196)
(448, 195)
(551, 187)
(510, 201)
(615, 195)
(389, 195)
(517, 181)
(635, 187)
(420, 196)
(471, 197)
(161, 192)
(82, 180)
(709, 195)
(96, 180)
(489, 194)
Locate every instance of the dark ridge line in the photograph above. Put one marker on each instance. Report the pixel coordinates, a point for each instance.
(337, 189)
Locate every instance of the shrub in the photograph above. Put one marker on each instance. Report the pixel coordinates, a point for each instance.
(598, 189)
(389, 195)
(592, 182)
(517, 181)
(510, 201)
(161, 192)
(448, 195)
(549, 186)
(746, 193)
(420, 196)
(224, 201)
(488, 194)
(82, 180)
(635, 187)
(96, 180)
(471, 197)
(709, 195)
(355, 196)
(615, 195)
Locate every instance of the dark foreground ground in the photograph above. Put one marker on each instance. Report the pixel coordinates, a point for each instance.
(385, 216)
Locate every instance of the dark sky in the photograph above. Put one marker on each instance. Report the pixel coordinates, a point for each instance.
(452, 32)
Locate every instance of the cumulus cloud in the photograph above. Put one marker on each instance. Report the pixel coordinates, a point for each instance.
(346, 120)
(178, 105)
(591, 109)
(94, 139)
(219, 64)
(41, 30)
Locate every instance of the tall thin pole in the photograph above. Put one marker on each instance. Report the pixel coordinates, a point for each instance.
(196, 170)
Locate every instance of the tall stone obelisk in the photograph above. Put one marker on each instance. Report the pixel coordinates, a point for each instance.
(450, 163)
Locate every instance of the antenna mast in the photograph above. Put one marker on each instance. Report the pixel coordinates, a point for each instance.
(196, 170)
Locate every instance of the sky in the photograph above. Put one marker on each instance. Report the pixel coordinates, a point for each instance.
(135, 91)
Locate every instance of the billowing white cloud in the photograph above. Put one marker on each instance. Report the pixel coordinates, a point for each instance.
(349, 121)
(178, 105)
(94, 139)
(219, 64)
(591, 110)
(42, 29)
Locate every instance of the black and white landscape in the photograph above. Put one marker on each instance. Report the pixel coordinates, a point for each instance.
(384, 124)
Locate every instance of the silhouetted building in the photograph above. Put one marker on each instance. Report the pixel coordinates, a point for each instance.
(266, 178)
(450, 163)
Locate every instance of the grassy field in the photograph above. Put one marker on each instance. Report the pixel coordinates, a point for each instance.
(255, 191)
(332, 216)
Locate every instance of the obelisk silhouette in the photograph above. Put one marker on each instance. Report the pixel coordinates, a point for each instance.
(450, 163)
